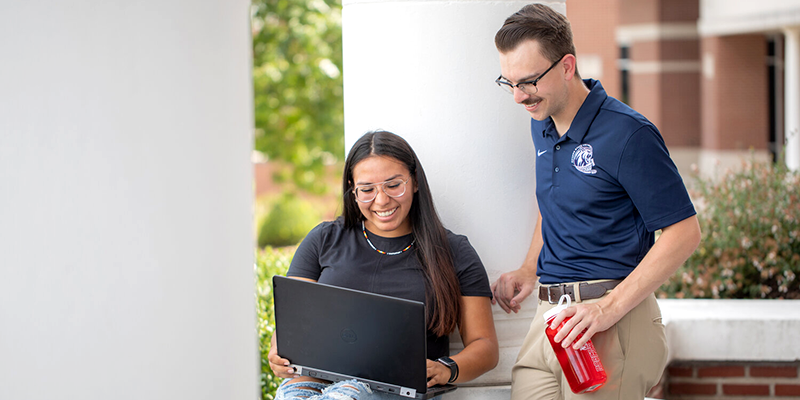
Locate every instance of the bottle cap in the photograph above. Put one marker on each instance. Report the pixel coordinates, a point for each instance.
(563, 303)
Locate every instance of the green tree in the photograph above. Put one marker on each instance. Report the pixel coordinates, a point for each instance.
(297, 64)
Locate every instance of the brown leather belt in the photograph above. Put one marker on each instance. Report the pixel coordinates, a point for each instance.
(586, 291)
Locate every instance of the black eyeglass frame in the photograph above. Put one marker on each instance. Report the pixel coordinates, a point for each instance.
(510, 87)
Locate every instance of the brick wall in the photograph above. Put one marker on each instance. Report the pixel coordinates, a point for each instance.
(731, 380)
(735, 93)
(665, 67)
(593, 28)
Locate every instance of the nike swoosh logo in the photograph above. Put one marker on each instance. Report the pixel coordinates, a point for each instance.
(539, 153)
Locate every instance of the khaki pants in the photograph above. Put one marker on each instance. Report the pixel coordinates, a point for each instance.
(633, 353)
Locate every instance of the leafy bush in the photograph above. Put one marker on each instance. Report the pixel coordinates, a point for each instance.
(750, 248)
(269, 262)
(288, 221)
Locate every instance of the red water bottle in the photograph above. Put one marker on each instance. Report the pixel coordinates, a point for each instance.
(582, 367)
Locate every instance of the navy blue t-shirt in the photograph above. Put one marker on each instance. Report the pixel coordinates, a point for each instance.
(603, 189)
(337, 256)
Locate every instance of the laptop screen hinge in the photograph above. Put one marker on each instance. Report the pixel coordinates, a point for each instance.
(406, 392)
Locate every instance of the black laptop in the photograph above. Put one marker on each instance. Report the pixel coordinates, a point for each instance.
(335, 334)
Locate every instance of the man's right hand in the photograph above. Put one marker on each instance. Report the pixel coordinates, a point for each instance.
(512, 288)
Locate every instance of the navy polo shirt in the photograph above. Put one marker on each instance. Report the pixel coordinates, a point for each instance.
(603, 189)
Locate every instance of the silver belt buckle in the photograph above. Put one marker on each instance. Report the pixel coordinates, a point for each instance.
(550, 294)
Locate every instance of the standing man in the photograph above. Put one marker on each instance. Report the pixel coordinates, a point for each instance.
(605, 184)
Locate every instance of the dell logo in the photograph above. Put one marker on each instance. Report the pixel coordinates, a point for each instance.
(349, 336)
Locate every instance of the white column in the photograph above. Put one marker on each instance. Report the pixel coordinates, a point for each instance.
(126, 248)
(792, 97)
(425, 70)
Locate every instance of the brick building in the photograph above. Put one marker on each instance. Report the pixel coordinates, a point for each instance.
(719, 78)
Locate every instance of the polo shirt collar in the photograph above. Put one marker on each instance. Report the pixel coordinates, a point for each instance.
(583, 119)
(589, 109)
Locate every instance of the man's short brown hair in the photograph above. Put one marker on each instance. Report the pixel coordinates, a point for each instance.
(540, 23)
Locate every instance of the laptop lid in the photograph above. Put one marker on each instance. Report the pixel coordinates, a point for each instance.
(336, 333)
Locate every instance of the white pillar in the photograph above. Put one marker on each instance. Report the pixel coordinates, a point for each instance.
(425, 70)
(126, 248)
(792, 97)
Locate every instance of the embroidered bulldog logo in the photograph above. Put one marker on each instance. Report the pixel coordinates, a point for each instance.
(582, 159)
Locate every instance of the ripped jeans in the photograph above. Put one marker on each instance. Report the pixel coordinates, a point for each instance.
(344, 390)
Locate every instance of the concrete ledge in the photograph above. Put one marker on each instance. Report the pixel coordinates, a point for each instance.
(743, 330)
(484, 393)
(480, 393)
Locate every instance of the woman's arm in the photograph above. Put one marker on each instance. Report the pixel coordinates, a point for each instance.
(481, 351)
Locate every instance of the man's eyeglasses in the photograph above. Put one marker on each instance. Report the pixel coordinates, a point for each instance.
(392, 188)
(527, 87)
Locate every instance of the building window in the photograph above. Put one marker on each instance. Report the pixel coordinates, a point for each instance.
(624, 64)
(775, 74)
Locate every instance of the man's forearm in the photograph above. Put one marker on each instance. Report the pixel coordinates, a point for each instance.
(676, 243)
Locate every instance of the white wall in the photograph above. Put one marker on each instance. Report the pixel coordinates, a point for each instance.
(426, 71)
(126, 264)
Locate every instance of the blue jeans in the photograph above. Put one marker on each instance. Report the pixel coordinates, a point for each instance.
(344, 390)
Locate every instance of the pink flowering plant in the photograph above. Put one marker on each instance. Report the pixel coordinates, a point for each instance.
(750, 247)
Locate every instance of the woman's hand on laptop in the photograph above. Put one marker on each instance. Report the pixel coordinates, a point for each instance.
(438, 374)
(280, 366)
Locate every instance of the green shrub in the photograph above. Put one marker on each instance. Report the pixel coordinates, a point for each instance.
(288, 222)
(269, 262)
(750, 247)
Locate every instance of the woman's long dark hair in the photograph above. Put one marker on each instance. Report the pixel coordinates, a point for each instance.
(432, 247)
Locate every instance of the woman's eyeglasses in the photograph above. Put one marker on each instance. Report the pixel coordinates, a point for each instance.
(392, 188)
